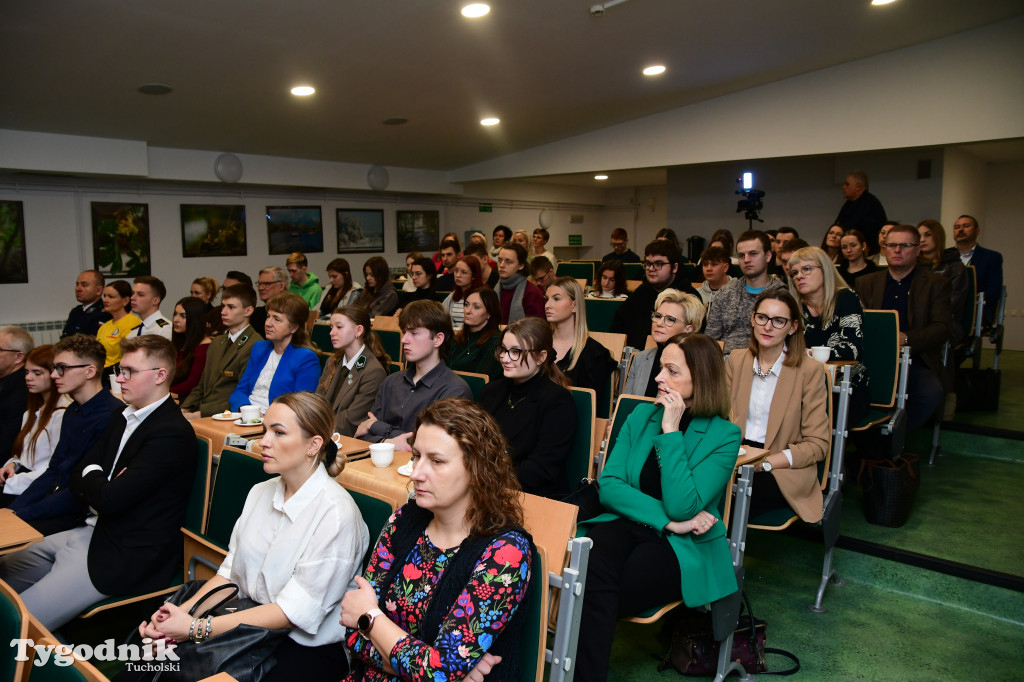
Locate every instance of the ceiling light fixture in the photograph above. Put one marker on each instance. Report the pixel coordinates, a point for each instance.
(475, 10)
(303, 90)
(155, 89)
(600, 177)
(655, 70)
(493, 121)
(881, 2)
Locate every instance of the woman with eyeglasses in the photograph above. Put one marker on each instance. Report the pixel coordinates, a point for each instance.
(856, 262)
(584, 361)
(533, 407)
(424, 275)
(474, 345)
(675, 313)
(467, 277)
(778, 397)
(117, 296)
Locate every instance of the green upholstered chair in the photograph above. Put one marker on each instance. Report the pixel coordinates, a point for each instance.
(375, 513)
(476, 382)
(533, 637)
(577, 270)
(14, 619)
(580, 463)
(321, 336)
(600, 313)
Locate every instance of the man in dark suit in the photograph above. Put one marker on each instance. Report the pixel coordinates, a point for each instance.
(87, 317)
(136, 483)
(988, 264)
(862, 209)
(15, 344)
(923, 302)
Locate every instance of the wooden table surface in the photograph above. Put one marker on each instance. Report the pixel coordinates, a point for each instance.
(215, 430)
(353, 448)
(15, 534)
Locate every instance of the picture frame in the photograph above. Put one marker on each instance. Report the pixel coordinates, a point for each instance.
(295, 228)
(360, 230)
(120, 238)
(418, 230)
(13, 256)
(209, 230)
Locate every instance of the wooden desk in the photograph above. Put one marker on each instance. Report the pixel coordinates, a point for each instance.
(353, 448)
(216, 430)
(15, 534)
(382, 482)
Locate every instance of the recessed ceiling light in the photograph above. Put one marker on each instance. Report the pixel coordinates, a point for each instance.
(655, 70)
(303, 90)
(881, 2)
(475, 10)
(155, 89)
(395, 121)
(490, 121)
(600, 177)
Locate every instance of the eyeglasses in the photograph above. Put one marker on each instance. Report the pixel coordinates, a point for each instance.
(11, 350)
(60, 369)
(655, 264)
(616, 245)
(804, 270)
(128, 372)
(760, 319)
(900, 246)
(669, 320)
(514, 354)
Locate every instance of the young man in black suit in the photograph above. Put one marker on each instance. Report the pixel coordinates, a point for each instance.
(136, 482)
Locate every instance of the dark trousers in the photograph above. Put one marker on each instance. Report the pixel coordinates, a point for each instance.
(631, 569)
(326, 663)
(924, 395)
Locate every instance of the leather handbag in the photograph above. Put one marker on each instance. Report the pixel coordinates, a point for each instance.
(890, 487)
(587, 497)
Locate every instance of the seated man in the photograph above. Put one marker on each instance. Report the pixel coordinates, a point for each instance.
(449, 257)
(136, 483)
(147, 294)
(620, 248)
(47, 504)
(272, 281)
(542, 272)
(489, 273)
(304, 283)
(923, 301)
(15, 344)
(427, 340)
(87, 317)
(227, 355)
(786, 250)
(988, 264)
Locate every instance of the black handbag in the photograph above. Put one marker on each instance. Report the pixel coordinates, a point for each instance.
(245, 652)
(890, 487)
(587, 497)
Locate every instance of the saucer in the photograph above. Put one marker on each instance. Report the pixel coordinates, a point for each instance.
(239, 422)
(221, 417)
(405, 469)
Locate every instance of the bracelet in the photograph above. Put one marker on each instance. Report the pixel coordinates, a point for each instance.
(209, 627)
(192, 630)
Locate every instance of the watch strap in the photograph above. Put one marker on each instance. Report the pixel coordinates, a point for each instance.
(371, 617)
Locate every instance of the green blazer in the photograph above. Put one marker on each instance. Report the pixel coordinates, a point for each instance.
(695, 469)
(225, 364)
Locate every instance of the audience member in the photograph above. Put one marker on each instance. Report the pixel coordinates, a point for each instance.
(540, 245)
(466, 277)
(304, 283)
(669, 235)
(295, 550)
(723, 239)
(620, 248)
(227, 355)
(855, 260)
(15, 344)
(783, 235)
(191, 343)
(474, 344)
(674, 314)
(786, 250)
(234, 277)
(664, 488)
(147, 294)
(117, 297)
(423, 279)
(583, 360)
(205, 289)
(610, 281)
(488, 269)
(862, 210)
(729, 315)
(520, 237)
(923, 303)
(136, 483)
(47, 504)
(353, 374)
(946, 262)
(661, 267)
(832, 243)
(499, 237)
(542, 272)
(343, 290)
(879, 256)
(450, 236)
(272, 281)
(40, 427)
(988, 264)
(379, 295)
(519, 297)
(429, 608)
(714, 263)
(772, 235)
(407, 285)
(449, 256)
(476, 238)
(285, 362)
(426, 341)
(88, 315)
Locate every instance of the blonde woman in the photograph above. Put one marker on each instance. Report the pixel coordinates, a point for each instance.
(584, 361)
(674, 313)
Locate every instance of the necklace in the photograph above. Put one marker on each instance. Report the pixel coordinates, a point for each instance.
(763, 375)
(512, 405)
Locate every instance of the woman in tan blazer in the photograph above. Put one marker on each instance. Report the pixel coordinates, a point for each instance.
(779, 401)
(353, 374)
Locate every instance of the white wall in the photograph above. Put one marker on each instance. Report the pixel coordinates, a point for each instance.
(964, 188)
(1000, 230)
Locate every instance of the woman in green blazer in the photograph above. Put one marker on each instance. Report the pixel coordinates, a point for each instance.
(664, 488)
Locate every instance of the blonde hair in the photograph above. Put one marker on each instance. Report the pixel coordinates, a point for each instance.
(693, 308)
(833, 281)
(580, 332)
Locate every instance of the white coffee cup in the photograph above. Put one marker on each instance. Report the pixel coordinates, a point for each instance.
(382, 454)
(115, 387)
(250, 414)
(820, 353)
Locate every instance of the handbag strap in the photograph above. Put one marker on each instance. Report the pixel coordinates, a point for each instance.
(233, 588)
(768, 650)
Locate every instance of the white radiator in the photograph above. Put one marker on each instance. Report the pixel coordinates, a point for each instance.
(44, 332)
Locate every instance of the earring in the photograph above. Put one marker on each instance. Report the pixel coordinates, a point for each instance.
(310, 454)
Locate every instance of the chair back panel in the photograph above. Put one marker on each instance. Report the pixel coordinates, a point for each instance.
(580, 463)
(623, 408)
(882, 355)
(584, 271)
(634, 271)
(13, 625)
(199, 495)
(321, 336)
(600, 313)
(969, 315)
(392, 342)
(476, 382)
(375, 513)
(237, 473)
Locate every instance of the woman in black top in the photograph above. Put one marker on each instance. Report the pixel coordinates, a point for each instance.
(533, 407)
(584, 361)
(423, 274)
(855, 257)
(474, 344)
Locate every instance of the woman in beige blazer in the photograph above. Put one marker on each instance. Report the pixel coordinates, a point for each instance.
(353, 374)
(779, 401)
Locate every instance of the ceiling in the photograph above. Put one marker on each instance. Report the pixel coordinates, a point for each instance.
(547, 68)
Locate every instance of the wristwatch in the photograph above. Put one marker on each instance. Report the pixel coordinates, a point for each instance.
(766, 465)
(365, 622)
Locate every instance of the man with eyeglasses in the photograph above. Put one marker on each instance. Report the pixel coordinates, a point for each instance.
(923, 302)
(77, 371)
(620, 248)
(661, 270)
(135, 482)
(271, 282)
(15, 344)
(729, 314)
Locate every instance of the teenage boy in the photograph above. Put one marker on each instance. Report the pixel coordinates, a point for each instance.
(147, 295)
(426, 342)
(135, 482)
(304, 283)
(542, 271)
(661, 268)
(715, 263)
(227, 356)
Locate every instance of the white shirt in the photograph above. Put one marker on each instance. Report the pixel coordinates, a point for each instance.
(965, 258)
(36, 457)
(155, 324)
(761, 393)
(302, 555)
(351, 362)
(261, 389)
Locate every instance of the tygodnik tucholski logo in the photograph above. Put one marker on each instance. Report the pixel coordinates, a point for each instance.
(149, 657)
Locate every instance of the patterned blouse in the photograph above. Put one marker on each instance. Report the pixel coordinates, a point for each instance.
(483, 608)
(844, 333)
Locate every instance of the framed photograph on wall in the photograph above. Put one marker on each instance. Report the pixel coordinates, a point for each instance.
(418, 230)
(13, 258)
(212, 230)
(360, 230)
(120, 239)
(295, 228)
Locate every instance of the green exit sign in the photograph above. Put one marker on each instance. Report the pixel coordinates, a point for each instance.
(486, 208)
(575, 240)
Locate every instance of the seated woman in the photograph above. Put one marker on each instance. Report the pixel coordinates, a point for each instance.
(832, 244)
(117, 297)
(379, 295)
(664, 489)
(191, 341)
(774, 384)
(205, 289)
(674, 313)
(296, 549)
(423, 275)
(284, 362)
(533, 407)
(467, 277)
(40, 426)
(408, 286)
(948, 264)
(832, 316)
(474, 345)
(428, 608)
(610, 280)
(342, 291)
(584, 361)
(519, 297)
(353, 374)
(855, 257)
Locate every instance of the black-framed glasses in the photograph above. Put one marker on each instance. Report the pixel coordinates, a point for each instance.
(900, 246)
(669, 320)
(266, 284)
(129, 372)
(655, 264)
(61, 368)
(514, 354)
(760, 319)
(803, 270)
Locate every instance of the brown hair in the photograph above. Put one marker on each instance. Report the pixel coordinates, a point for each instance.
(360, 317)
(938, 236)
(535, 335)
(316, 418)
(493, 305)
(186, 341)
(298, 258)
(341, 266)
(243, 293)
(83, 347)
(519, 251)
(618, 272)
(157, 349)
(796, 346)
(155, 284)
(476, 278)
(44, 403)
(703, 358)
(296, 310)
(724, 236)
(494, 487)
(432, 316)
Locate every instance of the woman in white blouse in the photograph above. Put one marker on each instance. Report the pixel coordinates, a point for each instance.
(40, 427)
(296, 548)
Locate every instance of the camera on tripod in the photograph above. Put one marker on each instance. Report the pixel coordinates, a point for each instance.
(751, 203)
